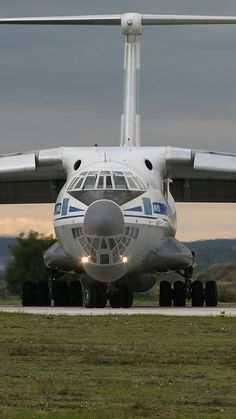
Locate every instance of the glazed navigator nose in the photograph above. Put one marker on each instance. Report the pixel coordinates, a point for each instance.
(104, 218)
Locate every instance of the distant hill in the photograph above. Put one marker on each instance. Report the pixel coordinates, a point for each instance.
(225, 276)
(216, 260)
(209, 252)
(223, 273)
(209, 244)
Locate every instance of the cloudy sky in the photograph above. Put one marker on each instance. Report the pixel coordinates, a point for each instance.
(63, 86)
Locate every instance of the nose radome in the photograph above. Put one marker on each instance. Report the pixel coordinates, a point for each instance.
(104, 218)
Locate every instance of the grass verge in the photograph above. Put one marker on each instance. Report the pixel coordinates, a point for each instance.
(117, 367)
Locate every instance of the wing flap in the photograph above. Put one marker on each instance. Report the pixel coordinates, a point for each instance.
(30, 192)
(201, 176)
(198, 164)
(34, 177)
(203, 190)
(17, 163)
(214, 162)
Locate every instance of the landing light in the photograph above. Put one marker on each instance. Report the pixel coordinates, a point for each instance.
(124, 259)
(85, 259)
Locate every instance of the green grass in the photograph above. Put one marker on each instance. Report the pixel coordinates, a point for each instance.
(10, 301)
(117, 367)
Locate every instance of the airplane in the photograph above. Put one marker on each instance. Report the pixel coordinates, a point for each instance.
(115, 215)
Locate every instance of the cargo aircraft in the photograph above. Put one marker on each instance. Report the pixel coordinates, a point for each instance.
(115, 216)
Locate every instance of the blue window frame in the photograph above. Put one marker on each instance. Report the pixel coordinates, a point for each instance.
(147, 206)
(65, 205)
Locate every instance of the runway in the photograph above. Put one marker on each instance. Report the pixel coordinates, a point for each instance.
(222, 311)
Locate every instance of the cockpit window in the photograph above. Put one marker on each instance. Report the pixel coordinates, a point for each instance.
(120, 182)
(79, 183)
(108, 182)
(100, 182)
(72, 184)
(90, 182)
(131, 183)
(116, 180)
(105, 173)
(139, 183)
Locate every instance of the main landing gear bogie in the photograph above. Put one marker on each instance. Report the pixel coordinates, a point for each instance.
(67, 294)
(196, 292)
(62, 293)
(74, 294)
(36, 294)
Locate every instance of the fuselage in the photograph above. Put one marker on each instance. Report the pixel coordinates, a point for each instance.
(114, 211)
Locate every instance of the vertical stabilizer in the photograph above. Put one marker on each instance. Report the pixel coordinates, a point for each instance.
(131, 24)
(130, 120)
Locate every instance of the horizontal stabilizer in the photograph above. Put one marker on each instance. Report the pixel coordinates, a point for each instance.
(64, 20)
(186, 20)
(146, 19)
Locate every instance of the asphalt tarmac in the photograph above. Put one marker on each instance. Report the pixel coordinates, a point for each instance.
(228, 311)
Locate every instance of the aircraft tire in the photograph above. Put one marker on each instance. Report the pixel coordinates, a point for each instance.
(75, 294)
(165, 296)
(211, 294)
(179, 294)
(89, 296)
(60, 293)
(101, 300)
(42, 294)
(116, 298)
(128, 297)
(29, 294)
(197, 292)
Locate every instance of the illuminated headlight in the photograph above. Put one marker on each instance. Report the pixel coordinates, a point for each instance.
(85, 259)
(124, 259)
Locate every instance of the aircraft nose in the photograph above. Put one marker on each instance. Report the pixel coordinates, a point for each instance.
(103, 218)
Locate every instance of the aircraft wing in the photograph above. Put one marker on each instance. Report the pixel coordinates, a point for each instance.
(31, 177)
(201, 176)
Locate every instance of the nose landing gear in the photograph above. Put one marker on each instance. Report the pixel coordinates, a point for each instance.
(97, 296)
(121, 297)
(94, 296)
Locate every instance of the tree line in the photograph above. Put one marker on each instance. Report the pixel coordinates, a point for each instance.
(27, 263)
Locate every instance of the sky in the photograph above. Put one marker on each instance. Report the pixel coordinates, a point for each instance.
(62, 86)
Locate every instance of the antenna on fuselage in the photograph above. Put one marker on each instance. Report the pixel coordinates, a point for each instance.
(132, 27)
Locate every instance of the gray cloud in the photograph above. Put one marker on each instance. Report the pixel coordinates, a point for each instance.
(63, 86)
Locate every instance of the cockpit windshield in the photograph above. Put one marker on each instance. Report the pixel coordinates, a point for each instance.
(106, 180)
(119, 181)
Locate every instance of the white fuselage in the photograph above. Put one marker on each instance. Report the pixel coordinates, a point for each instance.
(114, 211)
